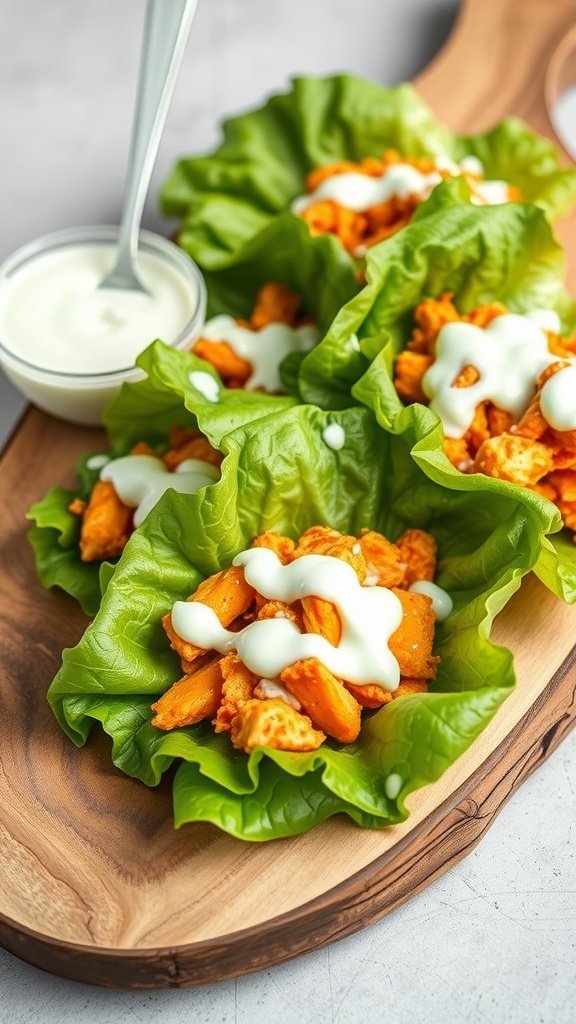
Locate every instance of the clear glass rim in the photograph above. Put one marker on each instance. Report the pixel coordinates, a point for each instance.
(101, 234)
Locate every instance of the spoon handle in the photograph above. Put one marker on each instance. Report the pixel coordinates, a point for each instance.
(165, 34)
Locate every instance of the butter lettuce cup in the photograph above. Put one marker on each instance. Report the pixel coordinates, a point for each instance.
(291, 472)
(466, 313)
(354, 160)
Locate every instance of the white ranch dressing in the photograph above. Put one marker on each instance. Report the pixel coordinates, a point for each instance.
(509, 354)
(53, 315)
(558, 399)
(334, 436)
(360, 192)
(489, 193)
(442, 603)
(469, 165)
(369, 615)
(141, 480)
(271, 688)
(206, 384)
(97, 461)
(264, 349)
(393, 785)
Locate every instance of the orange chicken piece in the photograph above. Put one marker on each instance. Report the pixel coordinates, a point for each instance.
(324, 697)
(322, 540)
(274, 304)
(418, 552)
(410, 686)
(430, 317)
(514, 458)
(564, 482)
(326, 216)
(456, 449)
(320, 616)
(227, 593)
(467, 377)
(478, 431)
(374, 696)
(191, 699)
(237, 688)
(273, 723)
(370, 696)
(499, 421)
(198, 447)
(412, 642)
(384, 565)
(143, 448)
(106, 524)
(282, 546)
(77, 507)
(484, 315)
(224, 359)
(280, 610)
(409, 370)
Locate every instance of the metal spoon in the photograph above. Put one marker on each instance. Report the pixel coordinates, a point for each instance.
(165, 33)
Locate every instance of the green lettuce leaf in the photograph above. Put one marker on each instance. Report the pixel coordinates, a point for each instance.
(279, 474)
(55, 538)
(505, 253)
(321, 273)
(228, 197)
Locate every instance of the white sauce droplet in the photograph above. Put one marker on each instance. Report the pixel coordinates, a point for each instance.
(141, 480)
(97, 461)
(369, 615)
(264, 349)
(442, 603)
(509, 354)
(270, 688)
(393, 785)
(334, 436)
(558, 399)
(206, 384)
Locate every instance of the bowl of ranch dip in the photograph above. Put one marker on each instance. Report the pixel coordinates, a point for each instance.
(67, 345)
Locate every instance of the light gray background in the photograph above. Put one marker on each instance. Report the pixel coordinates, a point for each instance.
(495, 939)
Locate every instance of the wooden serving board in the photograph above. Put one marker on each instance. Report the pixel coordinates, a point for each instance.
(95, 884)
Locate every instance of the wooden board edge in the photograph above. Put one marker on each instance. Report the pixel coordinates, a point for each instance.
(438, 842)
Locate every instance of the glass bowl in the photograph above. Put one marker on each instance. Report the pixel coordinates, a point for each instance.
(82, 397)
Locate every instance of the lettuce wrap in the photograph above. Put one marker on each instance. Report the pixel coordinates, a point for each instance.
(144, 410)
(505, 253)
(228, 197)
(279, 474)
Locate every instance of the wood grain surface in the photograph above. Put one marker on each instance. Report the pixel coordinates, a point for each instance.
(95, 884)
